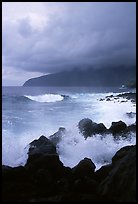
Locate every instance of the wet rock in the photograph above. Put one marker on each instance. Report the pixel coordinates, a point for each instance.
(100, 129)
(129, 96)
(111, 96)
(131, 114)
(65, 97)
(87, 127)
(42, 146)
(117, 127)
(57, 137)
(44, 178)
(42, 155)
(108, 99)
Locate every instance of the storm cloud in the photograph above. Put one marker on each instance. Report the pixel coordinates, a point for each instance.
(41, 38)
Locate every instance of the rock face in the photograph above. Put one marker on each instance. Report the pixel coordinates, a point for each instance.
(120, 183)
(45, 179)
(57, 137)
(42, 146)
(87, 127)
(42, 155)
(84, 168)
(117, 127)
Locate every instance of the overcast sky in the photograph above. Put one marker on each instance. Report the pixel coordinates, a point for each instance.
(41, 38)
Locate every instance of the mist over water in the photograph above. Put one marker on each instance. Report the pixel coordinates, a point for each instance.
(28, 113)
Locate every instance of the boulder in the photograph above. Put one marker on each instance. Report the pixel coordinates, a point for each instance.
(88, 128)
(117, 127)
(119, 184)
(100, 128)
(85, 127)
(42, 155)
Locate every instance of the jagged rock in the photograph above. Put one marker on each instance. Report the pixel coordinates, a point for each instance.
(100, 129)
(129, 96)
(117, 127)
(45, 178)
(87, 127)
(84, 168)
(42, 155)
(57, 137)
(42, 146)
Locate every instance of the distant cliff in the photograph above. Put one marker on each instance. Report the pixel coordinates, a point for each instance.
(89, 77)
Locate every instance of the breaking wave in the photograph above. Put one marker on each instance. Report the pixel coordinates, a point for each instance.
(46, 98)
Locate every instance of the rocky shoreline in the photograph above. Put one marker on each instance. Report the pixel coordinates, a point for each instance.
(128, 96)
(44, 178)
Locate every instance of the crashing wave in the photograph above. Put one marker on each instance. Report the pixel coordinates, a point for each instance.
(46, 98)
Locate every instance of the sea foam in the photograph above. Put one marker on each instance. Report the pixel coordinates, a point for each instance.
(46, 98)
(73, 147)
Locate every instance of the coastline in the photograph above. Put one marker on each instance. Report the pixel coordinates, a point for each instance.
(44, 178)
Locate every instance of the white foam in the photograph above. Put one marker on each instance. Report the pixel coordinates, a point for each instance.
(114, 111)
(73, 147)
(46, 98)
(15, 148)
(100, 150)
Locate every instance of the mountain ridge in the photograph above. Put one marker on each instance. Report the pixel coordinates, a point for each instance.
(89, 77)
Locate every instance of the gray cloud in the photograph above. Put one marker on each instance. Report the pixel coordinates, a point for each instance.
(75, 34)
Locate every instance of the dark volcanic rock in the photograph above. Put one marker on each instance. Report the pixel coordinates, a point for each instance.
(17, 184)
(65, 97)
(120, 183)
(108, 99)
(129, 96)
(131, 114)
(84, 168)
(117, 127)
(57, 137)
(42, 155)
(44, 177)
(42, 146)
(131, 128)
(87, 127)
(100, 128)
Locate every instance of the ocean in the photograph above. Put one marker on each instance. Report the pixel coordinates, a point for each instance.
(29, 112)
